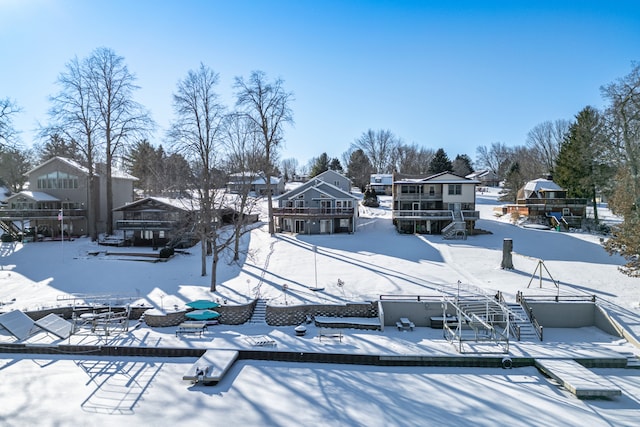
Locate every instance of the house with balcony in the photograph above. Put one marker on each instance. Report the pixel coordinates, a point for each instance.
(159, 221)
(56, 200)
(316, 207)
(443, 203)
(545, 202)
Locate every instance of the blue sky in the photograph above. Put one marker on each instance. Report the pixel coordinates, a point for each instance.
(440, 74)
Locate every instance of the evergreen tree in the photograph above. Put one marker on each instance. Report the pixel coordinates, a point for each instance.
(335, 165)
(359, 169)
(513, 181)
(370, 198)
(461, 166)
(320, 164)
(440, 162)
(580, 167)
(58, 146)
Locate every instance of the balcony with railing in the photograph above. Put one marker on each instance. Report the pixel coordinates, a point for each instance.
(314, 212)
(541, 203)
(145, 224)
(434, 215)
(23, 214)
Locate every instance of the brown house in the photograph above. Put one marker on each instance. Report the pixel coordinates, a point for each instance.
(544, 201)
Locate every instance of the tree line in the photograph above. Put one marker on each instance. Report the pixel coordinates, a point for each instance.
(95, 119)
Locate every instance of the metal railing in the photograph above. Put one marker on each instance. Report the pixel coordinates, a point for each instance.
(18, 214)
(344, 212)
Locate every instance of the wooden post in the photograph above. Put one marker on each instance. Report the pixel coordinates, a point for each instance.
(507, 247)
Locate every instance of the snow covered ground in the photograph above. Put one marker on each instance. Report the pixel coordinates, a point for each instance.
(64, 390)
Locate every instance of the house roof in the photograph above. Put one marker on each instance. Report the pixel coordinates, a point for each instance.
(65, 160)
(324, 174)
(181, 203)
(385, 179)
(37, 196)
(440, 178)
(319, 185)
(115, 172)
(541, 184)
(481, 174)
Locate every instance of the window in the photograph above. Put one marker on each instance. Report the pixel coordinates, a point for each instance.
(455, 189)
(432, 190)
(57, 179)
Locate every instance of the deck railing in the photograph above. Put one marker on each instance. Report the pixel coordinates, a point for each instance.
(17, 214)
(342, 212)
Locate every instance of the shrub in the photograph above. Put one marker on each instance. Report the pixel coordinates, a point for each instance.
(6, 238)
(166, 252)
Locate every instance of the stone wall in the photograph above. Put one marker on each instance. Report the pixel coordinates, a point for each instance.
(297, 314)
(235, 314)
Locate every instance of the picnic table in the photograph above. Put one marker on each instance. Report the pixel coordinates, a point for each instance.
(191, 328)
(405, 324)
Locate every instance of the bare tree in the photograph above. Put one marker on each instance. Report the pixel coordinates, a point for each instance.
(497, 158)
(8, 134)
(267, 106)
(245, 156)
(412, 159)
(73, 117)
(121, 119)
(545, 140)
(379, 147)
(289, 167)
(197, 133)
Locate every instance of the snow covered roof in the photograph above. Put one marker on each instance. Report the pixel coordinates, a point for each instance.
(178, 203)
(37, 196)
(541, 184)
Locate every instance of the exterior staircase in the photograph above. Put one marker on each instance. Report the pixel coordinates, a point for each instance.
(10, 228)
(520, 320)
(259, 315)
(457, 229)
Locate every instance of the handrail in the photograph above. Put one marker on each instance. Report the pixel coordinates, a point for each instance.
(536, 326)
(411, 297)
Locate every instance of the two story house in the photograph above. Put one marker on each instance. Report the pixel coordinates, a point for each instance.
(57, 198)
(316, 207)
(544, 201)
(159, 221)
(443, 203)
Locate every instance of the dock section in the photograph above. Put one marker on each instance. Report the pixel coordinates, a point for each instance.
(211, 366)
(577, 379)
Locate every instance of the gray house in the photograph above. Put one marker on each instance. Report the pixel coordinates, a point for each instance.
(56, 199)
(336, 179)
(316, 207)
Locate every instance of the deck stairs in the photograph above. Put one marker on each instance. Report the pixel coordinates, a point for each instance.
(259, 316)
(10, 228)
(457, 229)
